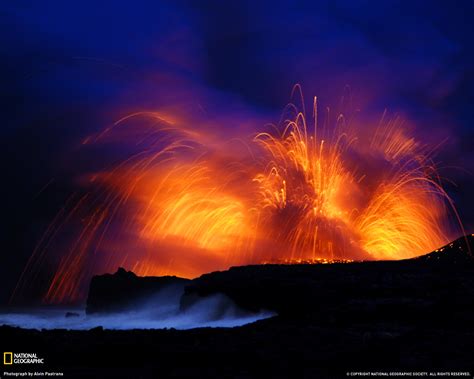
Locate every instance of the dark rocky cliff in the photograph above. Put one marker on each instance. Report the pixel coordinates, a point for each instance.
(406, 316)
(116, 292)
(424, 284)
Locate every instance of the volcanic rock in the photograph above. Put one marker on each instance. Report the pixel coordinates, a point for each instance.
(423, 284)
(333, 319)
(120, 291)
(456, 252)
(293, 290)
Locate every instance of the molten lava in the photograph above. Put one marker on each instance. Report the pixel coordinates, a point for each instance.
(186, 202)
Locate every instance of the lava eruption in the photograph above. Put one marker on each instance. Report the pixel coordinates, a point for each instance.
(185, 201)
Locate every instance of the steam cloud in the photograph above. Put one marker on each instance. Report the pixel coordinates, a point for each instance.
(160, 311)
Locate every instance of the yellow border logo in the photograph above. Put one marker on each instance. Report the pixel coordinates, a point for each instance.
(7, 358)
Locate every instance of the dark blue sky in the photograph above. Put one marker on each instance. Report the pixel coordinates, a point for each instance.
(70, 68)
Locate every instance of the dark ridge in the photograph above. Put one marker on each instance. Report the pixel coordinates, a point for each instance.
(457, 252)
(394, 316)
(116, 292)
(301, 288)
(396, 286)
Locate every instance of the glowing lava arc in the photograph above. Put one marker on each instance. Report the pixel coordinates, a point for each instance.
(186, 202)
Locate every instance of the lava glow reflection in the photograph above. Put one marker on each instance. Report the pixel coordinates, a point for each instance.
(186, 202)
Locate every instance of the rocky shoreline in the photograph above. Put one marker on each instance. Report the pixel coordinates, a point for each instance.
(411, 316)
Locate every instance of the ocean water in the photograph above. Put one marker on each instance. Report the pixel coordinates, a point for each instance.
(158, 312)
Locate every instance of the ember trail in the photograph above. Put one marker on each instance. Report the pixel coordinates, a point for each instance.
(185, 201)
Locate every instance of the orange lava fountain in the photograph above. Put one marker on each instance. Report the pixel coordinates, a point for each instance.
(188, 202)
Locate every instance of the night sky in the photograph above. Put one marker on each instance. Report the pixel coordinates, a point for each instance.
(69, 69)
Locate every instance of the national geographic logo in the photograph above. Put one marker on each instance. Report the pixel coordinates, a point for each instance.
(7, 358)
(22, 359)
